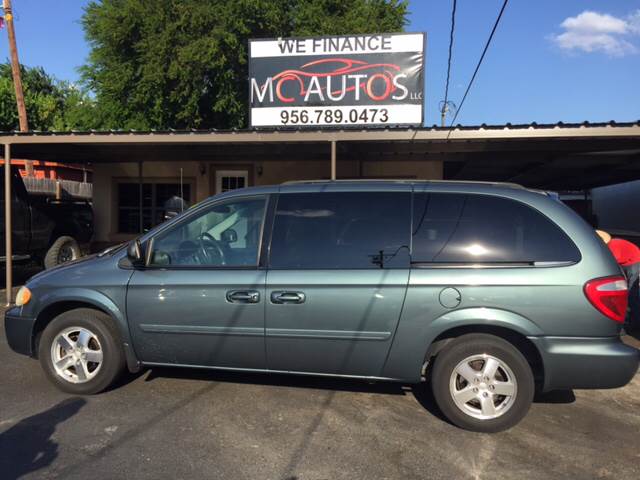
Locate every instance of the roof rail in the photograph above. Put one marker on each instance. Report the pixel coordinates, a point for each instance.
(403, 180)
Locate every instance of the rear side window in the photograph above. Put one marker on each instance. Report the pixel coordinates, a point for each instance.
(458, 228)
(342, 230)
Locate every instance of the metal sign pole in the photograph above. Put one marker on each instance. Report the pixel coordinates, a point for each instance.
(333, 160)
(140, 200)
(7, 224)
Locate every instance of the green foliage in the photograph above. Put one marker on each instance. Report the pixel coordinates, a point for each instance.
(338, 17)
(51, 105)
(183, 63)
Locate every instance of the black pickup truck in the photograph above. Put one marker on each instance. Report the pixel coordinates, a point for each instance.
(45, 230)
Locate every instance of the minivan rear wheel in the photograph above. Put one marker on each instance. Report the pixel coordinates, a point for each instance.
(80, 352)
(482, 383)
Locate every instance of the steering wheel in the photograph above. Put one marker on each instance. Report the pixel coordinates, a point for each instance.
(210, 251)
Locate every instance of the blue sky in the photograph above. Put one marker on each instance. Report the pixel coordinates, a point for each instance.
(569, 60)
(527, 75)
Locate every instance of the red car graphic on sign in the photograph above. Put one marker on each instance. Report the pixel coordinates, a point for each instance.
(363, 75)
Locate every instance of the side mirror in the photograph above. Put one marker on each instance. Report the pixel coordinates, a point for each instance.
(229, 236)
(134, 253)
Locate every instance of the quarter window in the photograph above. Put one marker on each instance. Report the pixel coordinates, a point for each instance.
(479, 229)
(226, 235)
(342, 230)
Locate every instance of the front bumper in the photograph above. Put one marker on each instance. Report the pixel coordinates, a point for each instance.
(18, 330)
(585, 362)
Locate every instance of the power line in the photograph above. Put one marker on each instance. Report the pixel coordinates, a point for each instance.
(446, 88)
(486, 47)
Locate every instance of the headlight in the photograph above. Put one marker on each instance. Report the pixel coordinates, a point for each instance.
(23, 296)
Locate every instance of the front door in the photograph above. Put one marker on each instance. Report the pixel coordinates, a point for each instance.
(200, 301)
(338, 274)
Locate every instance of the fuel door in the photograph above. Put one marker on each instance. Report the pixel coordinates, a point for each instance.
(450, 297)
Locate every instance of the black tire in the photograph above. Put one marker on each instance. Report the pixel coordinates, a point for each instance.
(62, 244)
(99, 324)
(470, 345)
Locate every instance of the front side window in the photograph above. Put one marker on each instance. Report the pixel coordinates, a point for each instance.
(479, 229)
(341, 230)
(226, 235)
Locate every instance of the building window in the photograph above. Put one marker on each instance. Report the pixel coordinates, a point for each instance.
(157, 200)
(231, 179)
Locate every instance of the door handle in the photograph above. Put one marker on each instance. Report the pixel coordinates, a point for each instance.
(287, 297)
(243, 296)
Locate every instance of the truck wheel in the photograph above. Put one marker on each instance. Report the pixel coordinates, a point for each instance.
(80, 351)
(482, 383)
(63, 250)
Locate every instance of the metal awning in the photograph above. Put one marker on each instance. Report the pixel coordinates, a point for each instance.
(555, 156)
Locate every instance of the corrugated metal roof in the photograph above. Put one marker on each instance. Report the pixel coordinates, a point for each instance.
(551, 156)
(484, 126)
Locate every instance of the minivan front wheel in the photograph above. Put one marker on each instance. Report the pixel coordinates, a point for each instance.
(80, 353)
(482, 383)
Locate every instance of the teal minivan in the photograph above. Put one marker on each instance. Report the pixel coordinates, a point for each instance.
(489, 292)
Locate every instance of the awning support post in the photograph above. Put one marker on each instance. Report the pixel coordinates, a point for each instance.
(8, 247)
(140, 198)
(333, 160)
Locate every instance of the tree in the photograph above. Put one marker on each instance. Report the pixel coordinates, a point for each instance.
(183, 64)
(51, 105)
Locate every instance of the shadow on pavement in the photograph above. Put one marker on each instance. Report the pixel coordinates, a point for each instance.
(555, 396)
(421, 391)
(331, 385)
(134, 432)
(124, 379)
(27, 446)
(634, 333)
(423, 394)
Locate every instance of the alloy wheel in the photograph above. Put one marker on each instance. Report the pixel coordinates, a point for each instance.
(76, 354)
(483, 386)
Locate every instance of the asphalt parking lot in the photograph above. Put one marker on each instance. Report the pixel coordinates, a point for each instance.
(178, 424)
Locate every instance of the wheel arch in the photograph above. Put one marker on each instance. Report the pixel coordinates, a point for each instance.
(417, 337)
(525, 346)
(51, 311)
(90, 300)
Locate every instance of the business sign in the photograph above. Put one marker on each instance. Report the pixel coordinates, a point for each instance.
(346, 81)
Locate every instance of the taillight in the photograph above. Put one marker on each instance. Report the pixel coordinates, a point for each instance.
(609, 295)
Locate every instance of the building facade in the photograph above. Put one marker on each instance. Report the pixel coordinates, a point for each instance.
(117, 186)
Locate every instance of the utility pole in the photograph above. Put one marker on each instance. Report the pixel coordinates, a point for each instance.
(15, 71)
(446, 107)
